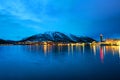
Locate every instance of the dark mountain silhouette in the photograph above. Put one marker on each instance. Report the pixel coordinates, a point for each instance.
(4, 41)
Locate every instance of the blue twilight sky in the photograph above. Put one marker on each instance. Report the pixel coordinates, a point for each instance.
(22, 18)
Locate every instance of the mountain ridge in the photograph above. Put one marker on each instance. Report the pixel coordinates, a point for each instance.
(53, 37)
(58, 37)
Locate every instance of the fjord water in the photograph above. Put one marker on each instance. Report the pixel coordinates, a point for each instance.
(59, 62)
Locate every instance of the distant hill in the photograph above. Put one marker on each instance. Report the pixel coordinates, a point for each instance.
(4, 41)
(58, 37)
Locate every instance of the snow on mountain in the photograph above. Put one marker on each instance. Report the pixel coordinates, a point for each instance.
(58, 37)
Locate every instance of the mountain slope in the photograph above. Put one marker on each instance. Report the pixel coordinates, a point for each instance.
(4, 41)
(58, 37)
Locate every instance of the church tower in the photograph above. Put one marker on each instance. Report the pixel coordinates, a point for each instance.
(101, 38)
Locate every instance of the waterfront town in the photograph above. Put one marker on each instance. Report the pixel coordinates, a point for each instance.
(102, 42)
(109, 42)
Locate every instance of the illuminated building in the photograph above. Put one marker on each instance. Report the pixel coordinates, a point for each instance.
(110, 42)
(113, 41)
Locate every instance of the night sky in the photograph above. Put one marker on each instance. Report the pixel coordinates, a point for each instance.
(22, 18)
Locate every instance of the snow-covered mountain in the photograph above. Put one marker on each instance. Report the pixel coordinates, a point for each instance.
(58, 37)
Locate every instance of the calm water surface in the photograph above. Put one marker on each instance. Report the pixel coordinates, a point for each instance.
(60, 62)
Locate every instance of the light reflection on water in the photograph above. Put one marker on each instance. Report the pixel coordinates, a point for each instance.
(75, 60)
(102, 51)
(47, 49)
